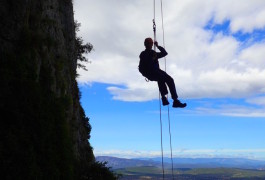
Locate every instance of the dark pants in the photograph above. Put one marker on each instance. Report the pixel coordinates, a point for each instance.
(162, 79)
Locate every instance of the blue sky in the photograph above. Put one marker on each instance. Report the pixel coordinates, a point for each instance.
(216, 56)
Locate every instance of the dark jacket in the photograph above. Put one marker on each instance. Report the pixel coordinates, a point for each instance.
(149, 61)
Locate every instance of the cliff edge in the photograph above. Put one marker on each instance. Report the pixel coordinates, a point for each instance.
(43, 128)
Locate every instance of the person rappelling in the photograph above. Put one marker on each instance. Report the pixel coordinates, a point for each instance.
(149, 68)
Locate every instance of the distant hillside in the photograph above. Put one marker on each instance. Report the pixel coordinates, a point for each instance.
(213, 162)
(154, 173)
(186, 168)
(117, 163)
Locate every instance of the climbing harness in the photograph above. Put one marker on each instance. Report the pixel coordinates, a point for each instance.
(161, 124)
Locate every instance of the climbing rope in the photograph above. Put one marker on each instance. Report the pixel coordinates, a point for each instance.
(161, 124)
(169, 127)
(161, 137)
(154, 24)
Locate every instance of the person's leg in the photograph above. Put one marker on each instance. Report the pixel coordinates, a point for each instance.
(170, 83)
(165, 78)
(162, 87)
(157, 76)
(172, 87)
(163, 91)
(160, 79)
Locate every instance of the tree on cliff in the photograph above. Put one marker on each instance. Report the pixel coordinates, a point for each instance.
(81, 48)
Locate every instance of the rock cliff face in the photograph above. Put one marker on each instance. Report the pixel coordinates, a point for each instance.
(43, 129)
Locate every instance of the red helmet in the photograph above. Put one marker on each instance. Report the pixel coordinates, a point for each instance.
(148, 42)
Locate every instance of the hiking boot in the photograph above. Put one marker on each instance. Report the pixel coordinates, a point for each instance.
(165, 101)
(178, 104)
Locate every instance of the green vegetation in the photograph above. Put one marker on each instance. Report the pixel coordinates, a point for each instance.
(232, 172)
(81, 48)
(150, 172)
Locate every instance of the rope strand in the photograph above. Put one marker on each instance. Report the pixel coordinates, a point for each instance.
(161, 124)
(163, 31)
(161, 128)
(161, 136)
(169, 130)
(169, 126)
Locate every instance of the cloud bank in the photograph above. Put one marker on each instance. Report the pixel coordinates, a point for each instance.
(187, 153)
(216, 48)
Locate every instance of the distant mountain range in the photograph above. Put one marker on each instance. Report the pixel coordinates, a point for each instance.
(117, 163)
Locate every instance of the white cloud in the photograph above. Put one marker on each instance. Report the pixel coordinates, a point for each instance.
(254, 56)
(232, 110)
(202, 63)
(190, 153)
(244, 16)
(257, 101)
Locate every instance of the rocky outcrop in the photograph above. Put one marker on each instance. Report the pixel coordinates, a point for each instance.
(44, 130)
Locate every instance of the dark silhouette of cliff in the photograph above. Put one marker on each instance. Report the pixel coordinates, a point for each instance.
(44, 131)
